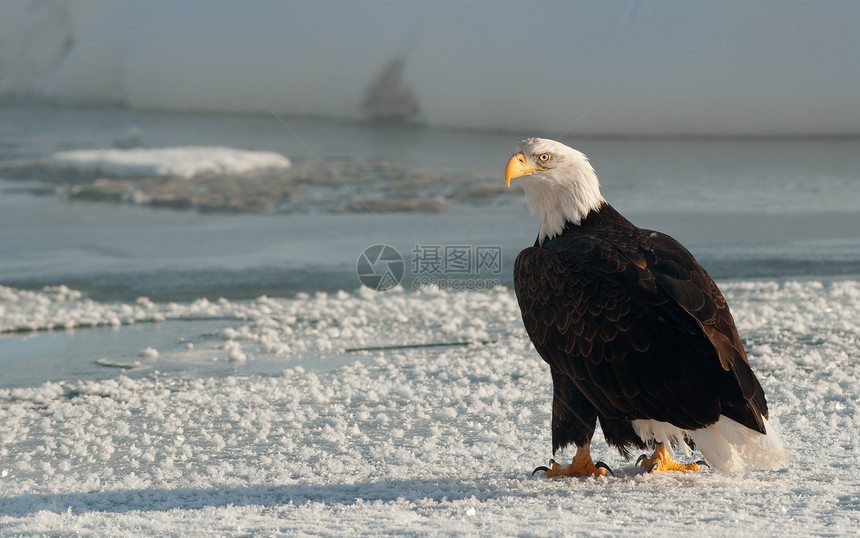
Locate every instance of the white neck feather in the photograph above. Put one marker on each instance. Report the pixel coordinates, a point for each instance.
(562, 195)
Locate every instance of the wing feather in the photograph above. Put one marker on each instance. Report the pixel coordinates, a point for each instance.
(640, 329)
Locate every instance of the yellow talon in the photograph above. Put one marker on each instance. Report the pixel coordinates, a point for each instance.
(661, 460)
(582, 465)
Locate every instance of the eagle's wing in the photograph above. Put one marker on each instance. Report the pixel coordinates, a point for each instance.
(642, 333)
(680, 276)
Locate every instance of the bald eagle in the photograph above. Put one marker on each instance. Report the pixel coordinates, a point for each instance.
(636, 333)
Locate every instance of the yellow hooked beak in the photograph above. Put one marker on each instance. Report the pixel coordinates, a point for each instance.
(517, 167)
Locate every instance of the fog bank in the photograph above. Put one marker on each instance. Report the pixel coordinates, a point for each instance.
(622, 67)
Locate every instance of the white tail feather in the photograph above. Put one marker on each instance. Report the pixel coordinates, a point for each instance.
(728, 446)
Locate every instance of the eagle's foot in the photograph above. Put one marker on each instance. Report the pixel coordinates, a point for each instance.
(582, 465)
(661, 460)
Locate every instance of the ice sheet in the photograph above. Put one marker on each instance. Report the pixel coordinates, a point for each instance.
(418, 440)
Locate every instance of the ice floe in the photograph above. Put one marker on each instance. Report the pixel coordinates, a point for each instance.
(228, 179)
(173, 162)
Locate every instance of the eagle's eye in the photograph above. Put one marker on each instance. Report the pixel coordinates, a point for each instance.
(543, 157)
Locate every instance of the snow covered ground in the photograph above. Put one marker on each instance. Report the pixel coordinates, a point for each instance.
(415, 440)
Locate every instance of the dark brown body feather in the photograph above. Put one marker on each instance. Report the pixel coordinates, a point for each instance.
(632, 327)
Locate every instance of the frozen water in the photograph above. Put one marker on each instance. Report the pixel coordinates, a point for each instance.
(209, 178)
(424, 440)
(749, 208)
(278, 405)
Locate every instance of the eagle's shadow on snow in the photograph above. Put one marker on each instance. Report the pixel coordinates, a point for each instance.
(163, 499)
(190, 498)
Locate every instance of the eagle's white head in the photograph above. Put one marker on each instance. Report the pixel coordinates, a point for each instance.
(560, 183)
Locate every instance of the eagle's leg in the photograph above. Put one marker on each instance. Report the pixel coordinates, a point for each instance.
(582, 465)
(661, 460)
